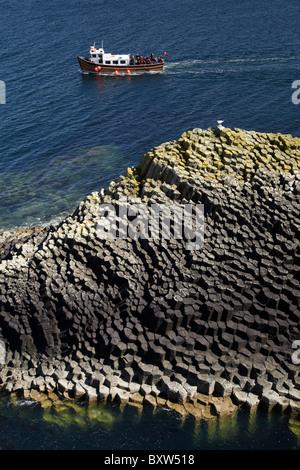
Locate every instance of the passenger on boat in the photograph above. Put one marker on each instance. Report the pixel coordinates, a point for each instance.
(139, 60)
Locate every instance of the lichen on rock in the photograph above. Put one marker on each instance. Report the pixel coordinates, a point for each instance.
(154, 319)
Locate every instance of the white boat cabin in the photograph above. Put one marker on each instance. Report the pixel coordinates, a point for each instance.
(100, 57)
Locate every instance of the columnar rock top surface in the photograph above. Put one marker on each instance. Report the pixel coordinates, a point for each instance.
(151, 313)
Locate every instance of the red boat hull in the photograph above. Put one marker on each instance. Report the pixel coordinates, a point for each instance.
(89, 66)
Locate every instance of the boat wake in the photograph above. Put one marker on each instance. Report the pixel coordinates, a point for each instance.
(202, 66)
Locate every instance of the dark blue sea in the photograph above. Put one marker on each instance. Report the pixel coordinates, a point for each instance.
(64, 134)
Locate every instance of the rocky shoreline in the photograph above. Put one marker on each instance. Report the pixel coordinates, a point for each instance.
(148, 321)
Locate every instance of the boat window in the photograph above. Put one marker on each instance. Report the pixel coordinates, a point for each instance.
(122, 61)
(115, 62)
(94, 55)
(107, 61)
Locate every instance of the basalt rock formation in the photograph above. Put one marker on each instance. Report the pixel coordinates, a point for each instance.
(148, 319)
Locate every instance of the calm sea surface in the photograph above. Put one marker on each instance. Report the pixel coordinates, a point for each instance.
(64, 134)
(25, 425)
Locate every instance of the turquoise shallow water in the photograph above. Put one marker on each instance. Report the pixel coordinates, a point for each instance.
(64, 135)
(26, 426)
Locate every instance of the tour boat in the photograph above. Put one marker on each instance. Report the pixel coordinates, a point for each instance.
(101, 62)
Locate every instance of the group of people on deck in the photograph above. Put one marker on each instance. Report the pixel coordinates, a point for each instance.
(138, 60)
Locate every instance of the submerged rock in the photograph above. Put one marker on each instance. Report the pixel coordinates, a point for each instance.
(152, 312)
